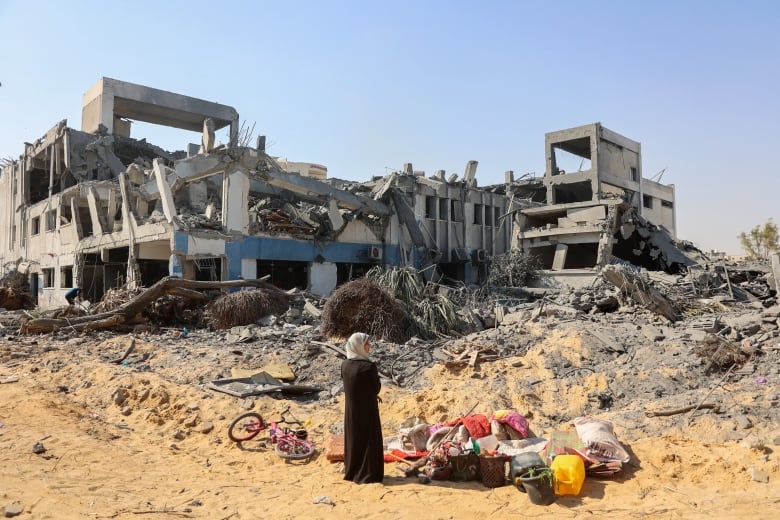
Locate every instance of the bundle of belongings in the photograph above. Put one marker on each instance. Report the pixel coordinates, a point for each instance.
(594, 441)
(450, 451)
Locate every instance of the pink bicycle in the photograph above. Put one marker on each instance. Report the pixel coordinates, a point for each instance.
(289, 443)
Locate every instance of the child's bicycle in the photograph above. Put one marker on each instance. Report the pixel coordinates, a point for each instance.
(289, 443)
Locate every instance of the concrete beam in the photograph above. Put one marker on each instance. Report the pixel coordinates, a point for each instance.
(205, 165)
(308, 186)
(406, 217)
(110, 98)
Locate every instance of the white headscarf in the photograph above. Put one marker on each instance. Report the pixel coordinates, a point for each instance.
(356, 346)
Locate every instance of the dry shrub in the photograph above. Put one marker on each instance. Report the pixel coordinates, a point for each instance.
(513, 269)
(113, 298)
(362, 306)
(15, 291)
(720, 352)
(245, 307)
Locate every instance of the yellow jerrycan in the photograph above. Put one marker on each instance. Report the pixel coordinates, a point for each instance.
(568, 474)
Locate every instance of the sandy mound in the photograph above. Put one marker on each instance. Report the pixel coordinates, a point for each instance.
(140, 440)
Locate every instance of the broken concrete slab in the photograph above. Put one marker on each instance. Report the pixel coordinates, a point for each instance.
(644, 294)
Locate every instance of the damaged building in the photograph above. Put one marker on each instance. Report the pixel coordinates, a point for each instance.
(100, 209)
(593, 205)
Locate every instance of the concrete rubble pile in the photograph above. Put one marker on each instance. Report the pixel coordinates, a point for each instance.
(98, 209)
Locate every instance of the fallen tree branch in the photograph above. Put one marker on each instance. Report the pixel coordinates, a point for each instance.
(663, 413)
(127, 353)
(130, 311)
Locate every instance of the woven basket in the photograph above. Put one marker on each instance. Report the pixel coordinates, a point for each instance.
(465, 467)
(493, 470)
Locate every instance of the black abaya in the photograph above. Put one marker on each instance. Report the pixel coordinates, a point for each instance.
(363, 451)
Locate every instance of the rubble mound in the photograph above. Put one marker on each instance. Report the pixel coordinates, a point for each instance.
(245, 307)
(362, 306)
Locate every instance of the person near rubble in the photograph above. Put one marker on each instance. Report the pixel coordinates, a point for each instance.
(363, 450)
(73, 295)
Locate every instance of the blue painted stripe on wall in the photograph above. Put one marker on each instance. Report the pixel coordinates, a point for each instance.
(270, 248)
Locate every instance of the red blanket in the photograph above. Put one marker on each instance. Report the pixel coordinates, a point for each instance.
(395, 455)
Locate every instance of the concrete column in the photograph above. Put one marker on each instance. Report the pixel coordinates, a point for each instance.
(776, 270)
(111, 211)
(560, 257)
(175, 267)
(169, 209)
(97, 227)
(249, 268)
(322, 278)
(235, 203)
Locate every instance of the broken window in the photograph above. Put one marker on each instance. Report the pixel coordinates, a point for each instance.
(634, 174)
(478, 214)
(210, 269)
(667, 204)
(496, 216)
(430, 207)
(571, 156)
(36, 226)
(39, 183)
(285, 275)
(65, 213)
(572, 192)
(66, 276)
(456, 210)
(152, 271)
(48, 277)
(647, 201)
(85, 217)
(348, 272)
(51, 220)
(443, 209)
(488, 215)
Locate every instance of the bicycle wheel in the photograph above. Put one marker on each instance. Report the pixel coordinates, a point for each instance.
(245, 426)
(293, 449)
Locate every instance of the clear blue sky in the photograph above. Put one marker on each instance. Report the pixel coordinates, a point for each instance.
(365, 86)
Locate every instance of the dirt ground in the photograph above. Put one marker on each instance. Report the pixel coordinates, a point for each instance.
(131, 444)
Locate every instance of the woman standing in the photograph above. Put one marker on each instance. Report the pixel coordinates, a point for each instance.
(363, 451)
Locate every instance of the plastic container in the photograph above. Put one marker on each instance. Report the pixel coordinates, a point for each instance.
(521, 463)
(569, 474)
(487, 443)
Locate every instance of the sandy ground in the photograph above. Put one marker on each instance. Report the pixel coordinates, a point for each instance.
(171, 457)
